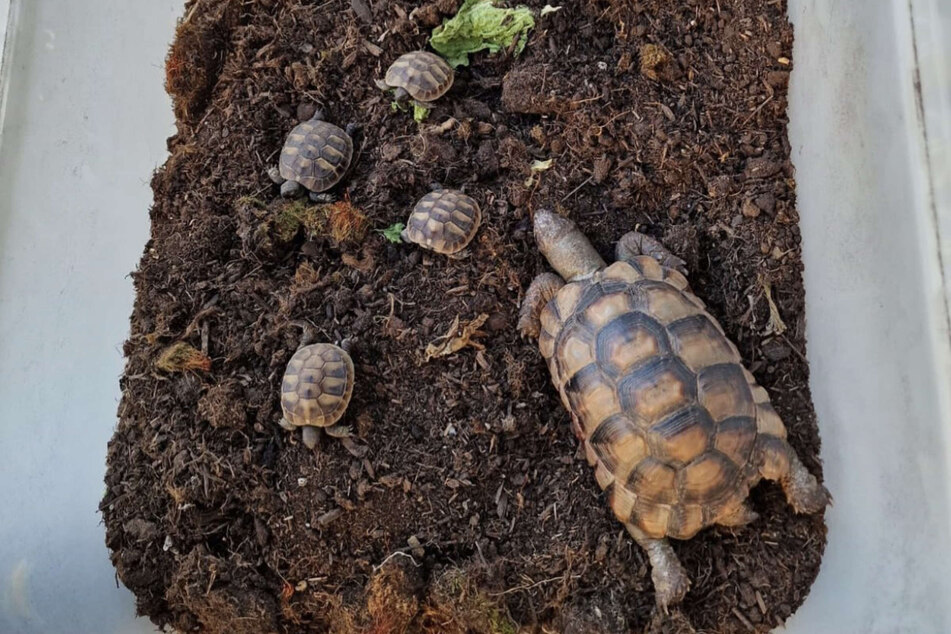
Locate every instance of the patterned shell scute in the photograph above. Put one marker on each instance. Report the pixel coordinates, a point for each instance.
(316, 155)
(317, 385)
(425, 76)
(658, 394)
(444, 221)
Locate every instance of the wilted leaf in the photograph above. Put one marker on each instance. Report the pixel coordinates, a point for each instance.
(776, 325)
(541, 166)
(457, 338)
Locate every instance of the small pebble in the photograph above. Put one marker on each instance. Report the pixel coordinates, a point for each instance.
(416, 546)
(749, 209)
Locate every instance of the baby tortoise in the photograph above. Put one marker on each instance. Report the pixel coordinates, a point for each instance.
(677, 429)
(316, 156)
(444, 221)
(419, 75)
(316, 390)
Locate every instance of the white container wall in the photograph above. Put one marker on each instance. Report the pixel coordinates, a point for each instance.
(86, 122)
(871, 135)
(869, 120)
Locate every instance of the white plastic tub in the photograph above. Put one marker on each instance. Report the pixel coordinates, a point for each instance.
(870, 121)
(85, 103)
(869, 127)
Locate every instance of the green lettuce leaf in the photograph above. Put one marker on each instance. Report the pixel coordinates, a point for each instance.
(392, 233)
(480, 25)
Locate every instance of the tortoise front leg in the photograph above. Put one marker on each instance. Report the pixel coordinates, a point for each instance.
(670, 579)
(780, 463)
(542, 289)
(633, 244)
(290, 189)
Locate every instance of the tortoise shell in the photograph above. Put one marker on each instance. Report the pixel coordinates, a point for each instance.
(317, 385)
(444, 221)
(666, 411)
(425, 76)
(316, 155)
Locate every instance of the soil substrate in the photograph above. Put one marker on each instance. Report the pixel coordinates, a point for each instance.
(471, 509)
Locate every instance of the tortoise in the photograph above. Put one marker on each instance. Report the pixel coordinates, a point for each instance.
(419, 75)
(316, 390)
(444, 221)
(678, 431)
(316, 156)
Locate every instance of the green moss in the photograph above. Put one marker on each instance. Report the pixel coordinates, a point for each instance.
(296, 215)
(501, 624)
(251, 201)
(458, 598)
(180, 357)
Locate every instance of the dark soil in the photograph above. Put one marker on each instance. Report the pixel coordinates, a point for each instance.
(471, 509)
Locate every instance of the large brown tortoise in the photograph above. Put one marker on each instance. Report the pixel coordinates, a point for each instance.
(677, 429)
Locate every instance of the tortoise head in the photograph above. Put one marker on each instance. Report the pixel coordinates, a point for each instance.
(565, 247)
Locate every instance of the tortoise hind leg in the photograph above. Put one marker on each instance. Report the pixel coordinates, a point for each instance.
(670, 579)
(338, 431)
(322, 198)
(541, 291)
(780, 463)
(634, 243)
(275, 175)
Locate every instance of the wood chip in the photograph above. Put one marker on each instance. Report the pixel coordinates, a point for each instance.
(329, 516)
(390, 480)
(745, 621)
(368, 467)
(362, 9)
(372, 48)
